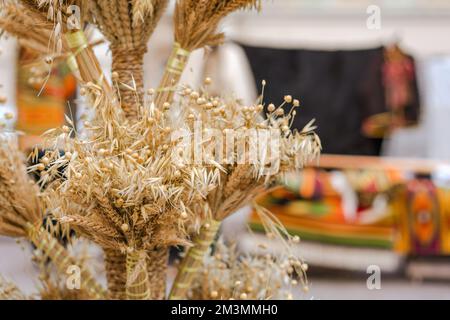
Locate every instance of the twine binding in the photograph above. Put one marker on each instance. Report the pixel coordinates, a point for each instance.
(193, 260)
(86, 63)
(178, 60)
(137, 287)
(72, 64)
(174, 69)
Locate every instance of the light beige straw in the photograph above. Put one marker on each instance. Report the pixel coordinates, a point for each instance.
(195, 27)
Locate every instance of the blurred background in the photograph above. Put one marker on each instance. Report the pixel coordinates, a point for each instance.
(374, 213)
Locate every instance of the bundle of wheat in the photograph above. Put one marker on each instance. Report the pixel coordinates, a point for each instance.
(21, 212)
(18, 20)
(51, 285)
(57, 286)
(56, 13)
(195, 27)
(51, 20)
(123, 190)
(128, 26)
(128, 183)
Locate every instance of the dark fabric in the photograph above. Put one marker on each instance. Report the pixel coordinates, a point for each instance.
(413, 108)
(400, 77)
(338, 88)
(402, 95)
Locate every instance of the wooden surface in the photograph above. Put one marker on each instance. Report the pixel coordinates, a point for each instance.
(422, 166)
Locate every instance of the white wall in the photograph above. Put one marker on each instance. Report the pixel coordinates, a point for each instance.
(8, 83)
(422, 30)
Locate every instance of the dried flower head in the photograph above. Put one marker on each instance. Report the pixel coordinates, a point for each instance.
(261, 148)
(230, 275)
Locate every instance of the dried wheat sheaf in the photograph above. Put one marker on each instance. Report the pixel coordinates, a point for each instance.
(127, 182)
(120, 186)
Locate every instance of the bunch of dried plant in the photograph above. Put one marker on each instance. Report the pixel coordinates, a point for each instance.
(51, 21)
(18, 20)
(227, 274)
(22, 213)
(195, 27)
(267, 149)
(121, 187)
(128, 26)
(127, 182)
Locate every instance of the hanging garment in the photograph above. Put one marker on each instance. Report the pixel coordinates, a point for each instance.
(430, 138)
(402, 95)
(340, 89)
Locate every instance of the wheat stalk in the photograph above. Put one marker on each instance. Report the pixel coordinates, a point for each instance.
(18, 20)
(196, 21)
(195, 26)
(21, 213)
(122, 188)
(128, 25)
